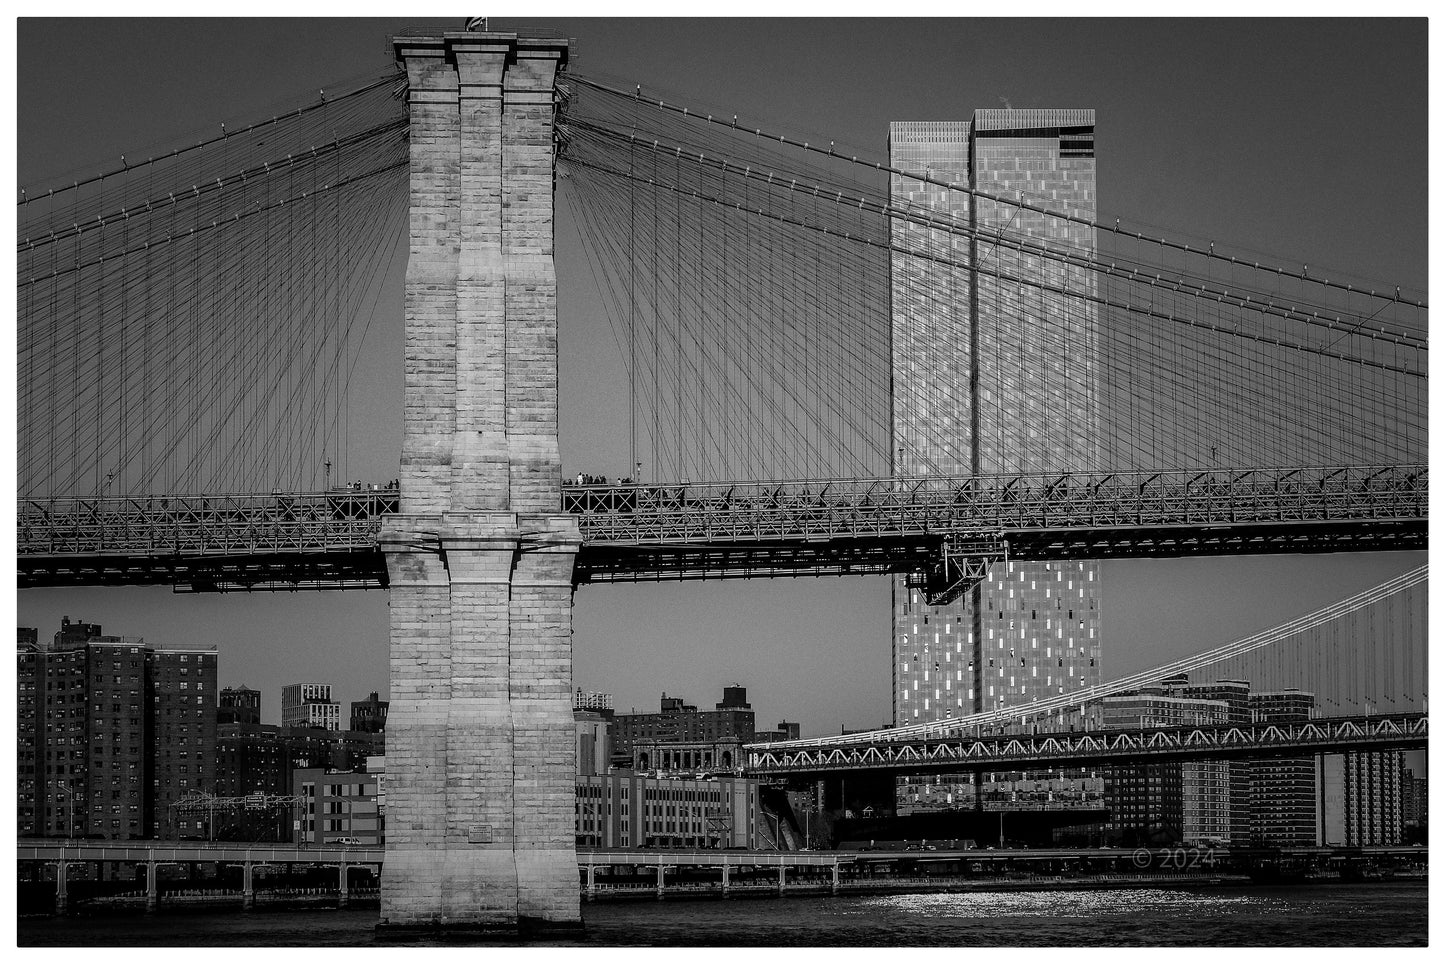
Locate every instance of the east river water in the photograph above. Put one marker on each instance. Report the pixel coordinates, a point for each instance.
(1373, 914)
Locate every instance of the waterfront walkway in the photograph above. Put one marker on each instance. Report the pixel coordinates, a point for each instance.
(183, 874)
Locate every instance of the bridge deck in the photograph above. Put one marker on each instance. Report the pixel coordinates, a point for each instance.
(1013, 751)
(721, 530)
(180, 851)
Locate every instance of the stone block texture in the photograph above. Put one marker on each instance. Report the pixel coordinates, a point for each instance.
(480, 768)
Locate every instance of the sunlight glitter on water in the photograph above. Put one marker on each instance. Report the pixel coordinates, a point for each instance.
(1377, 914)
(1083, 903)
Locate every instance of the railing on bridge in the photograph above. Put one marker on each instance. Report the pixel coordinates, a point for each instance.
(710, 511)
(1010, 751)
(713, 530)
(203, 541)
(186, 851)
(696, 530)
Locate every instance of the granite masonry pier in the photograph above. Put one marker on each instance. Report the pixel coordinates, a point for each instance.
(480, 777)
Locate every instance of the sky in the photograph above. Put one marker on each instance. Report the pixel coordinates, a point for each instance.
(1304, 139)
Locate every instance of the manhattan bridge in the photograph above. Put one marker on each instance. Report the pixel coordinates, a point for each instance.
(190, 324)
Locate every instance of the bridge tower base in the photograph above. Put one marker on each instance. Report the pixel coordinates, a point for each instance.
(480, 825)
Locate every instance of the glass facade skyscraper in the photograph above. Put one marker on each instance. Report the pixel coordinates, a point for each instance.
(994, 372)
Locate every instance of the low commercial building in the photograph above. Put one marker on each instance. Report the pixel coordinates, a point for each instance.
(593, 742)
(261, 758)
(369, 715)
(238, 704)
(336, 807)
(597, 702)
(689, 756)
(681, 722)
(691, 795)
(625, 809)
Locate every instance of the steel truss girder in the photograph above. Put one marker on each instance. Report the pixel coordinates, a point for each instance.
(1012, 751)
(325, 570)
(997, 506)
(207, 543)
(633, 532)
(959, 565)
(943, 530)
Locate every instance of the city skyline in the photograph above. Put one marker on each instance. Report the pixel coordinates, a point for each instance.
(204, 740)
(823, 640)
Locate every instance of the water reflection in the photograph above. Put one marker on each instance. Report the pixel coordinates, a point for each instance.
(1083, 903)
(1323, 915)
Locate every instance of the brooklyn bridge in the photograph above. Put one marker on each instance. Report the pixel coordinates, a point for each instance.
(835, 364)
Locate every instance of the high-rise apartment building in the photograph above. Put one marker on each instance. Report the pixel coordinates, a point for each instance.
(251, 758)
(58, 675)
(181, 691)
(993, 373)
(1161, 803)
(127, 789)
(117, 732)
(29, 784)
(1414, 802)
(309, 705)
(1234, 694)
(1284, 791)
(1361, 798)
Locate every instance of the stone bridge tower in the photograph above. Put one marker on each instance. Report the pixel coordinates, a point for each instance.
(480, 768)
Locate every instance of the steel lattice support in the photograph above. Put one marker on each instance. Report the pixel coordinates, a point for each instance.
(1012, 751)
(959, 565)
(729, 530)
